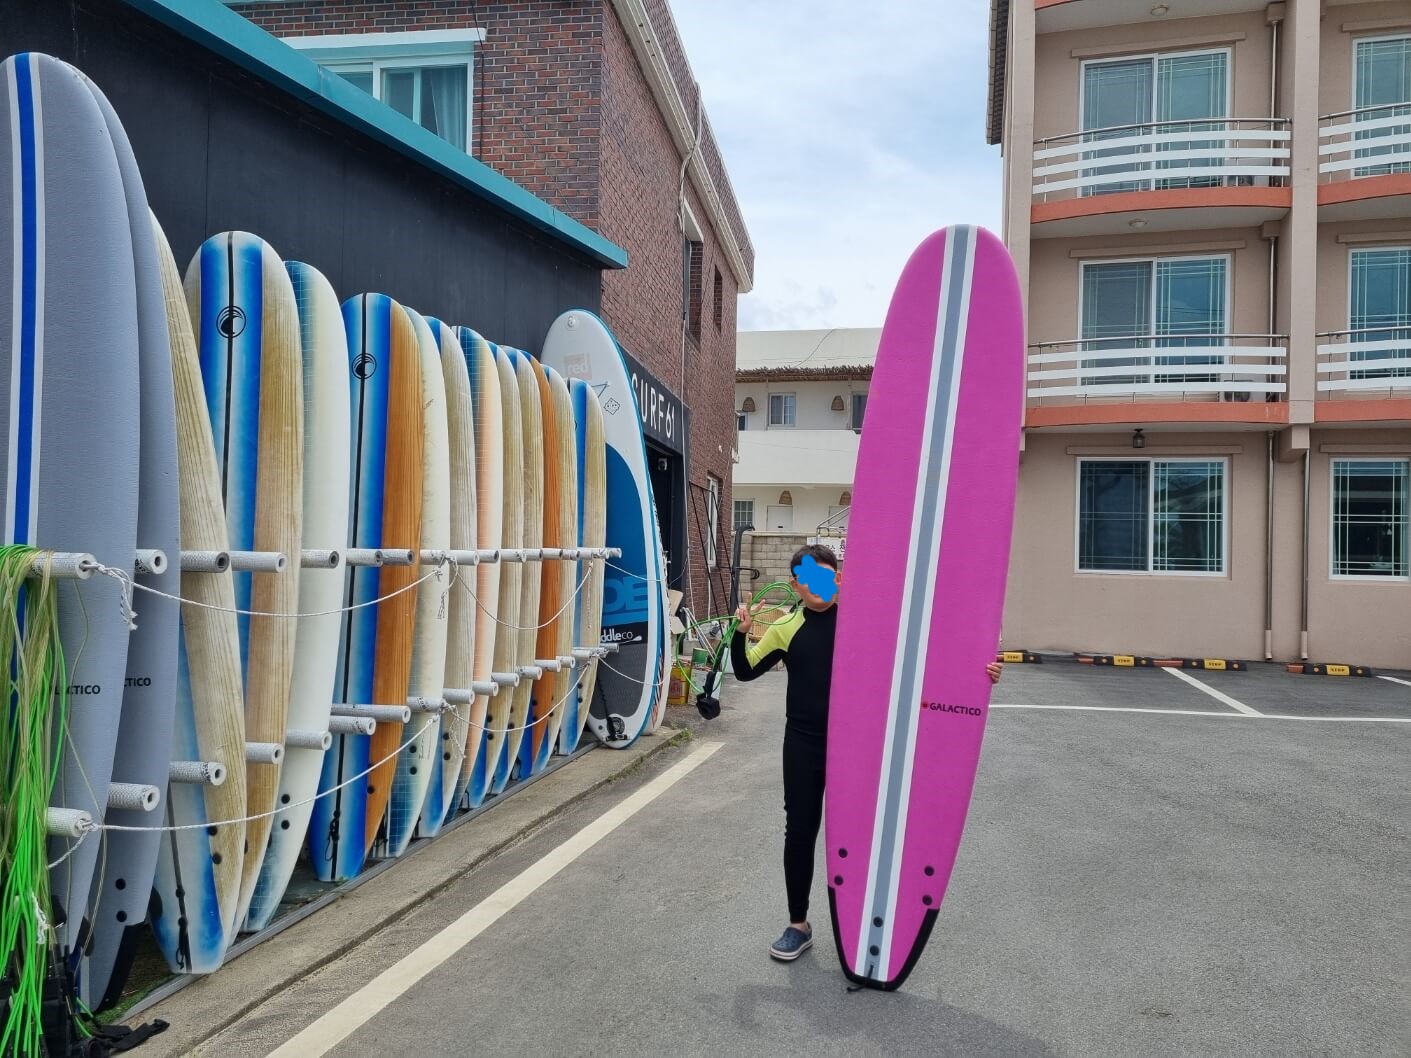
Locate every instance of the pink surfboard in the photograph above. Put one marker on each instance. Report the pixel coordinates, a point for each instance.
(919, 616)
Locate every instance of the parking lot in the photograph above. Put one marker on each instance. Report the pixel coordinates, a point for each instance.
(1268, 690)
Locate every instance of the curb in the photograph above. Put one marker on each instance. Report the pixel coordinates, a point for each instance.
(203, 1007)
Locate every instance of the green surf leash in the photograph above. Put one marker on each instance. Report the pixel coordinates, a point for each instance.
(707, 704)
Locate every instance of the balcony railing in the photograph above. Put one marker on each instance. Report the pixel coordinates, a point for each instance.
(1368, 141)
(1364, 361)
(1232, 367)
(1160, 155)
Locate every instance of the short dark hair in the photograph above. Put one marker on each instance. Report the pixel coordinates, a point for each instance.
(821, 553)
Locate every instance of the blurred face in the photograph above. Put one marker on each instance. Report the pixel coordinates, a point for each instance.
(816, 583)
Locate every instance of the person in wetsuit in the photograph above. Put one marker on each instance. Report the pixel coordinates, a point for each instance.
(803, 641)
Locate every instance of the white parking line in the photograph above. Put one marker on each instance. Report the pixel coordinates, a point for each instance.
(1251, 715)
(1219, 697)
(360, 1007)
(1394, 679)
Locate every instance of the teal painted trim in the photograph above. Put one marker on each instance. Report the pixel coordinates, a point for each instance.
(215, 27)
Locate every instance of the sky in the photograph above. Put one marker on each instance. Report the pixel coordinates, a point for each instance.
(850, 132)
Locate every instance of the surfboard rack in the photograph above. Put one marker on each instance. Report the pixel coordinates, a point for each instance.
(548, 664)
(65, 565)
(466, 695)
(391, 714)
(234, 561)
(567, 661)
(362, 556)
(264, 753)
(419, 704)
(197, 772)
(320, 559)
(149, 561)
(530, 672)
(66, 822)
(204, 561)
(505, 679)
(299, 738)
(398, 556)
(133, 797)
(351, 725)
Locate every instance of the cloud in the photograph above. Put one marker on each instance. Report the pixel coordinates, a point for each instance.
(849, 134)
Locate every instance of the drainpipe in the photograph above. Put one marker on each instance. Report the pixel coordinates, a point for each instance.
(1303, 624)
(1269, 550)
(1274, 15)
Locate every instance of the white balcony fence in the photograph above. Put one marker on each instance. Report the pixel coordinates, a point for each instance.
(1368, 141)
(1215, 152)
(1233, 367)
(1364, 361)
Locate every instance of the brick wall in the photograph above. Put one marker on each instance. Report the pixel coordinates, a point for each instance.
(537, 87)
(561, 106)
(641, 211)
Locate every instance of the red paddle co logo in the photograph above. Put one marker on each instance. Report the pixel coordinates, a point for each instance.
(946, 707)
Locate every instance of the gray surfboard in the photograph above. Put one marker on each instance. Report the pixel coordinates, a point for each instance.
(69, 408)
(118, 908)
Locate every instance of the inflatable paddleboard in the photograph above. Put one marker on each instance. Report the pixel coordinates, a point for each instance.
(197, 887)
(375, 643)
(69, 330)
(149, 694)
(327, 469)
(419, 760)
(590, 470)
(919, 615)
(579, 345)
(488, 414)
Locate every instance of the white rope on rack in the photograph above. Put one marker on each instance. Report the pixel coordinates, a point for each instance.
(84, 830)
(629, 679)
(125, 586)
(129, 584)
(465, 585)
(283, 808)
(659, 581)
(526, 727)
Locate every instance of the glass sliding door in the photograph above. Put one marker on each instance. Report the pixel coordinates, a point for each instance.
(1190, 88)
(1189, 309)
(1129, 99)
(1116, 94)
(1382, 90)
(1116, 305)
(1379, 304)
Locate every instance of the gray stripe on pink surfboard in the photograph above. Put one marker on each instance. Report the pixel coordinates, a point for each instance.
(960, 255)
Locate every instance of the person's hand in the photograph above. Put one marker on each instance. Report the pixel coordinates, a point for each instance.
(746, 615)
(994, 670)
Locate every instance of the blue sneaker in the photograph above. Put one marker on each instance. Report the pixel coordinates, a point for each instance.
(792, 944)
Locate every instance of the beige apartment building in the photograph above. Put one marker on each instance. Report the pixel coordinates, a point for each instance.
(1209, 205)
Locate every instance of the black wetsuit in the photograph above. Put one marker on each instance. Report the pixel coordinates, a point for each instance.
(803, 641)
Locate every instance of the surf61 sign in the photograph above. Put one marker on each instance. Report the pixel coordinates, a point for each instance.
(663, 414)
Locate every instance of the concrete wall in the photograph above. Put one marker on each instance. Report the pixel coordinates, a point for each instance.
(813, 406)
(810, 506)
(1058, 73)
(1051, 606)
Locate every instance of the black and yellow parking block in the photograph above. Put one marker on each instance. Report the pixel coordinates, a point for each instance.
(1312, 669)
(1018, 657)
(1123, 661)
(1217, 664)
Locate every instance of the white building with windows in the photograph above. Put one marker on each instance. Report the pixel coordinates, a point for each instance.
(800, 397)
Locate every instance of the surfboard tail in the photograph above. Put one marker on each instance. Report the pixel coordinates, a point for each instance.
(876, 978)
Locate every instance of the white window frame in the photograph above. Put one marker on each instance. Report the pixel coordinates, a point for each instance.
(1364, 578)
(856, 424)
(1083, 65)
(1352, 252)
(1221, 574)
(1154, 350)
(769, 412)
(735, 514)
(1352, 59)
(341, 53)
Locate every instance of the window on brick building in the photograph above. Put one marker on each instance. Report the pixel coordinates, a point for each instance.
(719, 300)
(692, 253)
(427, 76)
